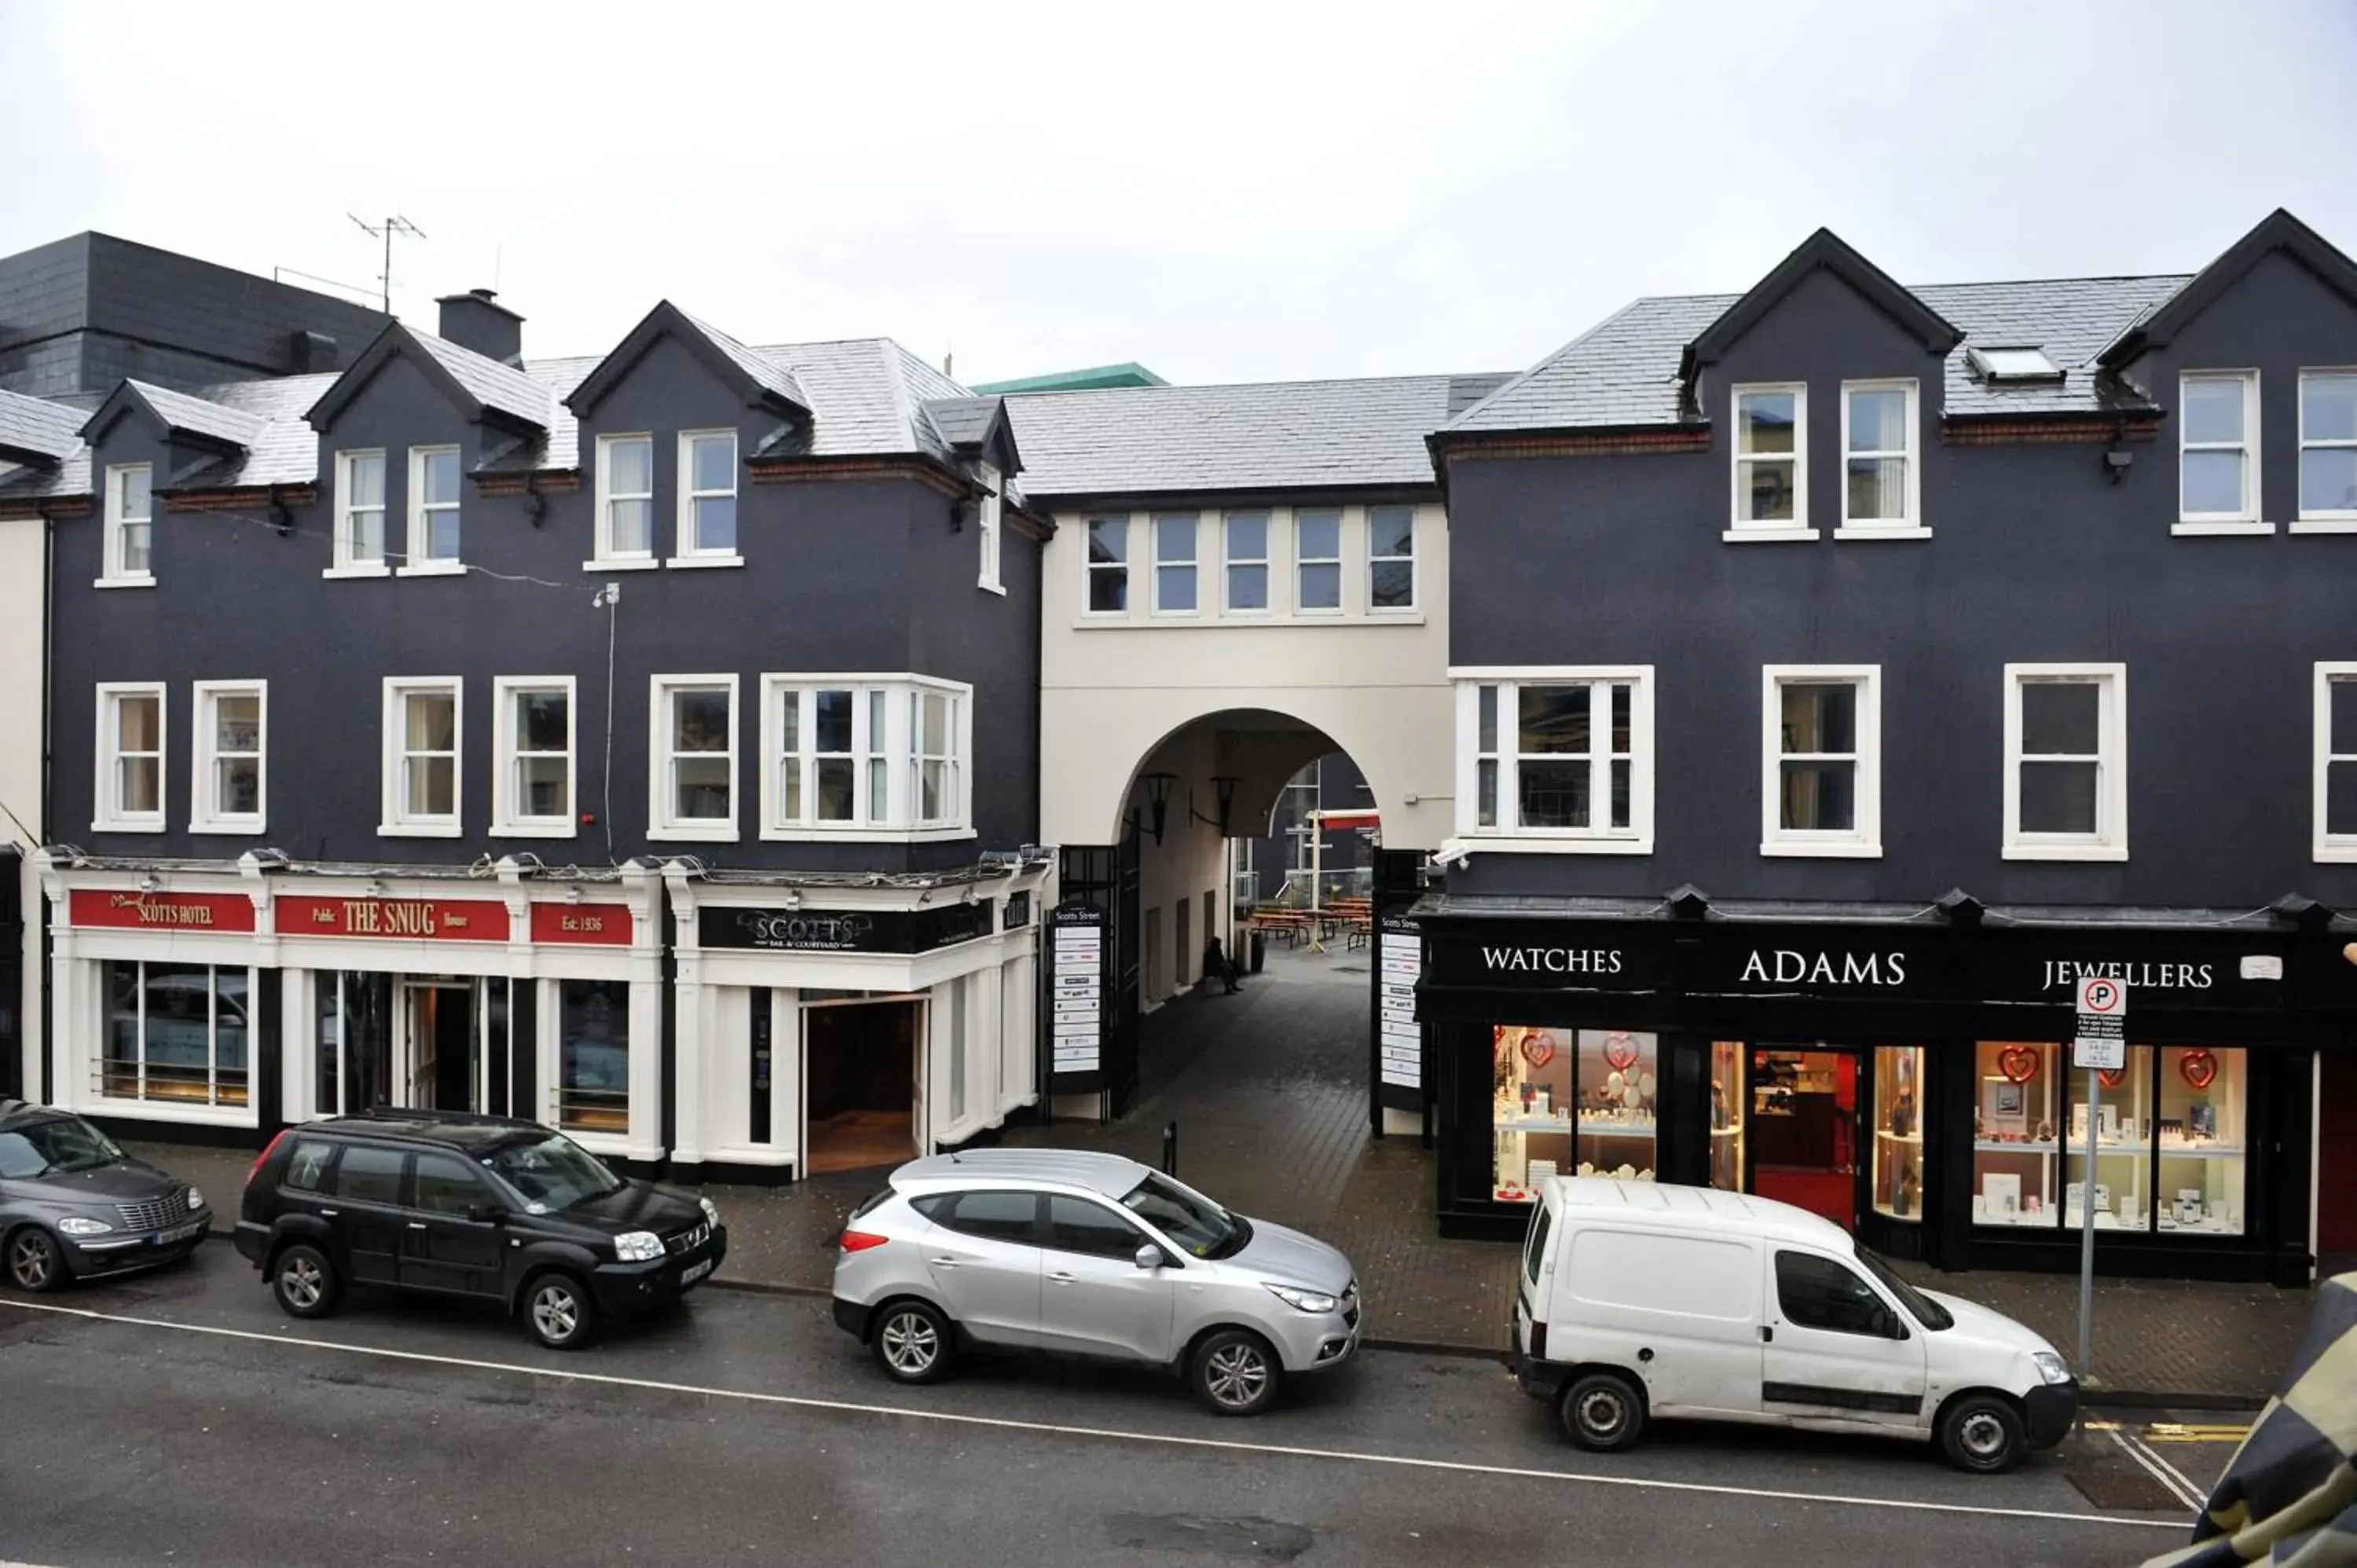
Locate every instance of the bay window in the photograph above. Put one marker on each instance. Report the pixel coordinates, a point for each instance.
(1559, 758)
(695, 755)
(865, 756)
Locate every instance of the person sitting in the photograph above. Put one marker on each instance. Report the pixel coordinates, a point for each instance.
(1217, 967)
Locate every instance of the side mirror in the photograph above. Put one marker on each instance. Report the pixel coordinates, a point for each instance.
(484, 1213)
(1149, 1256)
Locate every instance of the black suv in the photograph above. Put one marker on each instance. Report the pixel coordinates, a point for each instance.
(470, 1205)
(73, 1205)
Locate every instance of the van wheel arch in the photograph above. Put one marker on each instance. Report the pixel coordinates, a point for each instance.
(1630, 1388)
(2011, 1401)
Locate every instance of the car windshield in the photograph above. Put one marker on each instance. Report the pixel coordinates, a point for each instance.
(55, 1146)
(552, 1173)
(1928, 1313)
(1187, 1218)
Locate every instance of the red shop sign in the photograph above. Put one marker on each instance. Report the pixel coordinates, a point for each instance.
(421, 919)
(162, 911)
(606, 924)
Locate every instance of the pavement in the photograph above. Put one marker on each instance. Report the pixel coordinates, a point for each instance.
(1268, 1089)
(179, 1416)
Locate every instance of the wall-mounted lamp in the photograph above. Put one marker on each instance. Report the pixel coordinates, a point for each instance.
(573, 893)
(150, 883)
(282, 518)
(794, 898)
(1224, 785)
(2115, 462)
(1158, 800)
(536, 505)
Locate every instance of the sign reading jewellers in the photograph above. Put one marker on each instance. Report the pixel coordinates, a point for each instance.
(841, 930)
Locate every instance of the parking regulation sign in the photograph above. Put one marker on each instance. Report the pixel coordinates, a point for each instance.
(2103, 1032)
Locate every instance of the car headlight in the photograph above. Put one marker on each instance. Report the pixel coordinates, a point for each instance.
(638, 1246)
(195, 1199)
(2051, 1367)
(711, 1212)
(75, 1225)
(1316, 1301)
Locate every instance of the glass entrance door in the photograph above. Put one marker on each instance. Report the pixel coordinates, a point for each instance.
(441, 1046)
(1800, 1133)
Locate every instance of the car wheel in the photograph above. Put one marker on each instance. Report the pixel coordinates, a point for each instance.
(913, 1342)
(1981, 1432)
(1603, 1411)
(559, 1312)
(35, 1260)
(305, 1283)
(1236, 1373)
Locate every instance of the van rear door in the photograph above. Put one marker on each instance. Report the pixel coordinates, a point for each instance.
(1528, 1298)
(1680, 1311)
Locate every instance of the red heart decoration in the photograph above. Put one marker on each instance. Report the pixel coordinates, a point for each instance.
(1538, 1050)
(2018, 1063)
(2198, 1068)
(1621, 1051)
(2111, 1077)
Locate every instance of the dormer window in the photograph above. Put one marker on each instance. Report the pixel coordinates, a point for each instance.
(2218, 479)
(359, 515)
(130, 526)
(1771, 463)
(433, 510)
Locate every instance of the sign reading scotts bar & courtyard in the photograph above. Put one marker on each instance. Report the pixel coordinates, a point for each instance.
(414, 919)
(841, 930)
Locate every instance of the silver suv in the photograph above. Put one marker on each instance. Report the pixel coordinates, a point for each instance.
(1093, 1255)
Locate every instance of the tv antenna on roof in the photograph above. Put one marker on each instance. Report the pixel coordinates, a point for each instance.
(396, 224)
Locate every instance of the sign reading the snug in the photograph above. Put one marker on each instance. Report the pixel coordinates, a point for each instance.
(161, 911)
(413, 919)
(841, 930)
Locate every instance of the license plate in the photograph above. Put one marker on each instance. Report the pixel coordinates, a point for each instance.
(689, 1275)
(179, 1233)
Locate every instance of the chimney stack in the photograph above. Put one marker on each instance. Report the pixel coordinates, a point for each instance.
(476, 320)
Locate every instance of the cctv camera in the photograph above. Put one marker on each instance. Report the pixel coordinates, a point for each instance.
(1453, 852)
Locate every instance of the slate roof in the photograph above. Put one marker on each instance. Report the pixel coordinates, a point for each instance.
(963, 421)
(1265, 435)
(1624, 370)
(767, 373)
(32, 424)
(197, 415)
(497, 386)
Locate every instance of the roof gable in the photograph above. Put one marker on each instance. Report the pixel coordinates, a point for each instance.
(760, 382)
(976, 426)
(36, 432)
(178, 417)
(2280, 231)
(1821, 251)
(480, 387)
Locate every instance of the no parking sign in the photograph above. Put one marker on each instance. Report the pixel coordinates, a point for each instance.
(2103, 1030)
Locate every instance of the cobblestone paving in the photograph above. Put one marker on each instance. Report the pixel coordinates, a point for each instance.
(1268, 1089)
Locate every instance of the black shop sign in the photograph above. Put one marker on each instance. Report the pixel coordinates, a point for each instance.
(841, 930)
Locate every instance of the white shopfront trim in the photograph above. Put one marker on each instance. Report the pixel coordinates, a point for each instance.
(957, 1094)
(297, 962)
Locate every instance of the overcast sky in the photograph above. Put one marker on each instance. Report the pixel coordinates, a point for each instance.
(1223, 194)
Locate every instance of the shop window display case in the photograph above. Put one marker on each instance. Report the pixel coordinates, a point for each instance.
(2016, 1147)
(2202, 1141)
(1726, 1115)
(1571, 1102)
(1898, 1132)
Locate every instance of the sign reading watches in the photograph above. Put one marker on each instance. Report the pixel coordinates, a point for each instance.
(1551, 960)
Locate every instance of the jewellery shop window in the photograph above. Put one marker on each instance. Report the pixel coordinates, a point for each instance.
(1726, 1115)
(1571, 1102)
(1899, 1131)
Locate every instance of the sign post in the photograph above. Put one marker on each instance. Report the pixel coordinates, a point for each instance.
(2099, 1044)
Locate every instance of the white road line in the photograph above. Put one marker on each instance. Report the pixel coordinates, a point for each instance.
(2194, 1494)
(1171, 1440)
(2177, 1484)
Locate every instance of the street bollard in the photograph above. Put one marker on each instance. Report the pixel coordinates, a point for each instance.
(1170, 1149)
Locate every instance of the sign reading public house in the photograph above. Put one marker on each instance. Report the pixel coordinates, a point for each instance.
(416, 919)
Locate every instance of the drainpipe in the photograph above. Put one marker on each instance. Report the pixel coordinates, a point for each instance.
(39, 1083)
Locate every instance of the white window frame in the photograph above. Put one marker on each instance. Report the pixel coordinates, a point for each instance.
(2333, 519)
(1911, 526)
(112, 571)
(990, 513)
(607, 559)
(507, 820)
(1126, 566)
(415, 561)
(896, 820)
(1863, 841)
(661, 796)
(2246, 517)
(1741, 529)
(212, 1107)
(1636, 838)
(1415, 576)
(2110, 839)
(107, 815)
(205, 815)
(1193, 564)
(1230, 561)
(2331, 848)
(395, 821)
(686, 546)
(1341, 551)
(346, 561)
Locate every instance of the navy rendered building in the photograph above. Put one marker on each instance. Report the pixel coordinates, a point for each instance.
(642, 743)
(1843, 670)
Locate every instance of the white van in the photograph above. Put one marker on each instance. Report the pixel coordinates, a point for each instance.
(1639, 1299)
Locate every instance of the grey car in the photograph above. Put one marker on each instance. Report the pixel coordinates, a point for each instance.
(1093, 1255)
(74, 1205)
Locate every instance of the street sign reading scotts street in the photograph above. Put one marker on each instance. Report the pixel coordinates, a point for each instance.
(2103, 1032)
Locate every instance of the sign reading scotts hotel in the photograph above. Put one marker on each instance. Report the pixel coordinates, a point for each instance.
(95, 907)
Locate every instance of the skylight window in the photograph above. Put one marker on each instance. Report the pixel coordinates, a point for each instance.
(2012, 365)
